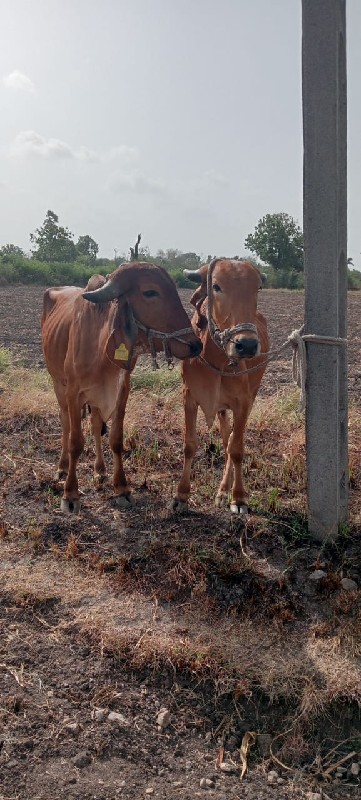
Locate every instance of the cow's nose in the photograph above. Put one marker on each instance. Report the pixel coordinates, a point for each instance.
(195, 348)
(246, 348)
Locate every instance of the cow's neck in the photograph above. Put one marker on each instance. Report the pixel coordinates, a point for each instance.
(212, 353)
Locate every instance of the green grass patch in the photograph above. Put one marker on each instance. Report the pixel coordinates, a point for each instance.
(159, 380)
(5, 359)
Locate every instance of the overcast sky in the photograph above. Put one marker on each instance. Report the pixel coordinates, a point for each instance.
(181, 119)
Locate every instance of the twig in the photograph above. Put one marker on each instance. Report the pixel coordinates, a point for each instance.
(341, 761)
(337, 747)
(283, 733)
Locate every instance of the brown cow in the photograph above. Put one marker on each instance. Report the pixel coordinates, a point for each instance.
(233, 334)
(90, 348)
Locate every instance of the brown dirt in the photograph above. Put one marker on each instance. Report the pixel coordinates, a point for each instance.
(132, 612)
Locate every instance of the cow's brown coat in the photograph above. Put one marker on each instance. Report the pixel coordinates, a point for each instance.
(235, 286)
(86, 347)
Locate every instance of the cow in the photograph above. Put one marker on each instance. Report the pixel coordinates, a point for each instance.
(91, 340)
(227, 376)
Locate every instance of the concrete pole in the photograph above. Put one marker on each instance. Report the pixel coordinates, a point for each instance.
(325, 238)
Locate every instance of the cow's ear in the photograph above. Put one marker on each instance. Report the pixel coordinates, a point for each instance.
(123, 336)
(198, 296)
(197, 300)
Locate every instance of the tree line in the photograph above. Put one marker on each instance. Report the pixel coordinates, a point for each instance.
(276, 245)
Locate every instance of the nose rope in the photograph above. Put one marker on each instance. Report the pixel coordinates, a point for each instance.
(153, 334)
(222, 338)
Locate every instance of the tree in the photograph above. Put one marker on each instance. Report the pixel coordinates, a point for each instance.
(278, 241)
(134, 251)
(12, 250)
(86, 246)
(52, 242)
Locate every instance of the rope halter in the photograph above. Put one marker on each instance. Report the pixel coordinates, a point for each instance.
(222, 338)
(153, 334)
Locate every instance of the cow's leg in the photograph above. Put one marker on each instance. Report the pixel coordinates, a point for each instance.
(63, 465)
(225, 428)
(190, 444)
(235, 453)
(99, 464)
(121, 488)
(70, 500)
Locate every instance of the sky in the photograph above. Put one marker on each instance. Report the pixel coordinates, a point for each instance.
(179, 119)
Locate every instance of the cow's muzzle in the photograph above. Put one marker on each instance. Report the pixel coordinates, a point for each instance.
(195, 348)
(246, 348)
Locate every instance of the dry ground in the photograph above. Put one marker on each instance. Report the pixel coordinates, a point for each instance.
(134, 611)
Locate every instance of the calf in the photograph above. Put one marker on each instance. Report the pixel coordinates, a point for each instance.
(234, 337)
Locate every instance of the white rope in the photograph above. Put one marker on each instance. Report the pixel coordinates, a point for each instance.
(297, 340)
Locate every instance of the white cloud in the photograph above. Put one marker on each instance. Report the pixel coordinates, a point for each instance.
(18, 81)
(122, 151)
(85, 154)
(30, 143)
(137, 184)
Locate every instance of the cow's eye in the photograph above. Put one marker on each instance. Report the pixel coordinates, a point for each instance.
(151, 293)
(216, 288)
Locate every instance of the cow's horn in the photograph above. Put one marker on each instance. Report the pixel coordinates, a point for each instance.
(108, 292)
(193, 274)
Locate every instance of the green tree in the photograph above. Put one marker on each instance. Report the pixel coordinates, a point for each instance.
(278, 241)
(86, 246)
(11, 250)
(52, 242)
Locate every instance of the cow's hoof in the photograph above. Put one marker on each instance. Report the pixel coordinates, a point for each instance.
(123, 501)
(241, 509)
(178, 506)
(221, 500)
(69, 506)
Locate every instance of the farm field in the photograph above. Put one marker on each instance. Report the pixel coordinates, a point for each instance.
(127, 613)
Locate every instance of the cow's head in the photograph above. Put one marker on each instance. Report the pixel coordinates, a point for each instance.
(231, 288)
(145, 294)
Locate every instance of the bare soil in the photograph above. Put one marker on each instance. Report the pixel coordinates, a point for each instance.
(132, 612)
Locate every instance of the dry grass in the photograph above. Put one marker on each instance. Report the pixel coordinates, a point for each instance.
(162, 606)
(24, 390)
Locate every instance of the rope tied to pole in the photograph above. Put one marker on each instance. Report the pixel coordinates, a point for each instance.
(297, 340)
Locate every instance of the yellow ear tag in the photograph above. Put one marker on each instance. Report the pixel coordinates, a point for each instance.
(121, 352)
